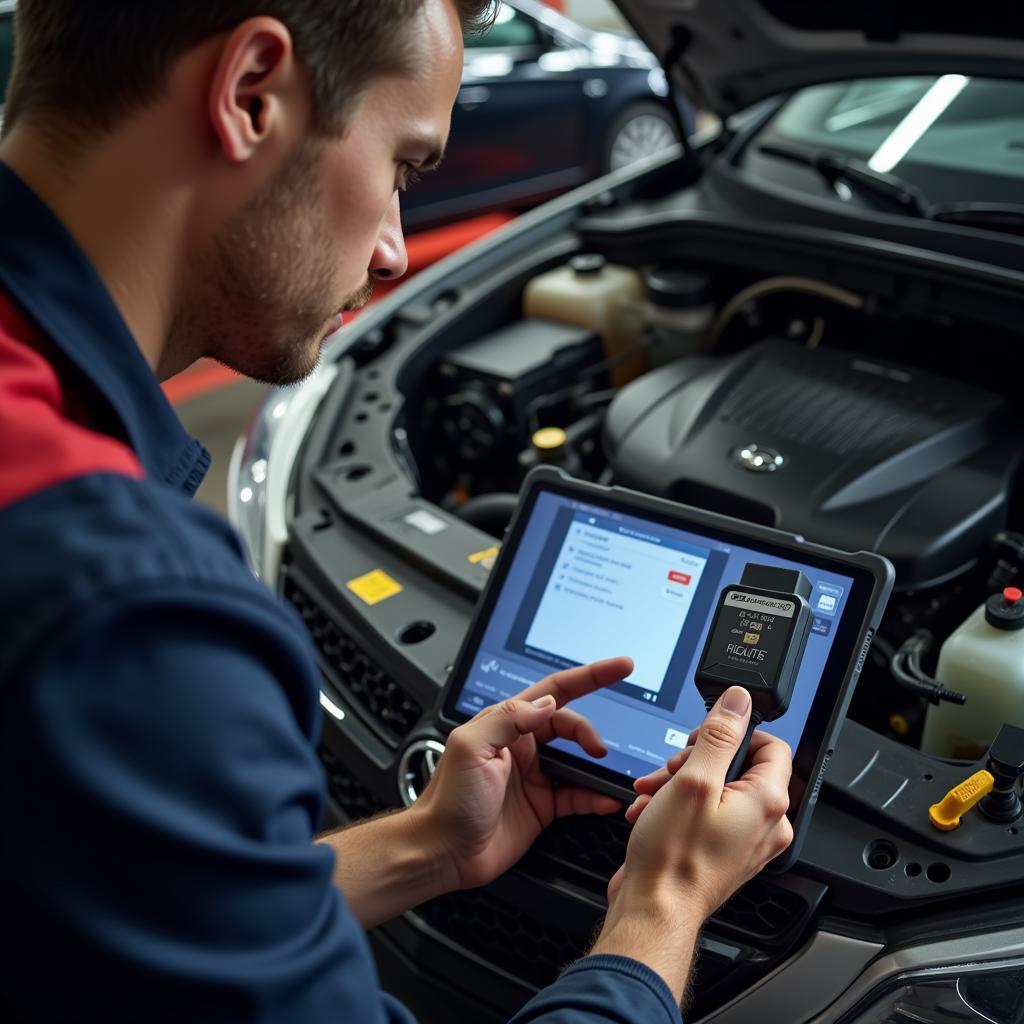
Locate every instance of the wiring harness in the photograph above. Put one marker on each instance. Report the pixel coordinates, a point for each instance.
(907, 670)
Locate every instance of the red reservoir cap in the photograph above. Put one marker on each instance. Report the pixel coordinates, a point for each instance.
(1006, 610)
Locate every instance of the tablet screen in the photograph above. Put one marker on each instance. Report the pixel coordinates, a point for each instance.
(587, 581)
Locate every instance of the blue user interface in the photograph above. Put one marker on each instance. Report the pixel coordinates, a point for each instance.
(588, 583)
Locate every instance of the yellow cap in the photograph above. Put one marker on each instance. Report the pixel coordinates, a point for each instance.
(946, 814)
(899, 724)
(549, 439)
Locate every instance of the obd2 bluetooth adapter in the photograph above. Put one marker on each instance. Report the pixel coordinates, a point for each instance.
(757, 640)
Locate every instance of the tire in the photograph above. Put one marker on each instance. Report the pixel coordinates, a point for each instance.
(640, 131)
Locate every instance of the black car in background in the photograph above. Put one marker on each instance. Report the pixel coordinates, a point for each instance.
(6, 49)
(545, 105)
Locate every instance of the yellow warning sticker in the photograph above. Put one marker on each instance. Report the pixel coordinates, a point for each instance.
(374, 587)
(485, 558)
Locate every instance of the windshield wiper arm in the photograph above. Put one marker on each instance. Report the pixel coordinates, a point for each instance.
(907, 198)
(1008, 217)
(835, 167)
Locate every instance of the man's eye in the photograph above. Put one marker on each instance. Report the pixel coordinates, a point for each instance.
(408, 178)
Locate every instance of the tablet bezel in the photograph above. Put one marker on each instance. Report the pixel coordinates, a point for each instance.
(872, 578)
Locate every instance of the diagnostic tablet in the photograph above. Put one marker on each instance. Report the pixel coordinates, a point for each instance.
(590, 572)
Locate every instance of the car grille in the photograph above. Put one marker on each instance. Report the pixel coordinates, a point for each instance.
(764, 912)
(354, 799)
(505, 935)
(590, 847)
(589, 850)
(385, 705)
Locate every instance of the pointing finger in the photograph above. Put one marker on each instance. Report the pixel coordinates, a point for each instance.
(572, 683)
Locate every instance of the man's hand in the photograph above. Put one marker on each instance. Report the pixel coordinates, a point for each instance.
(696, 840)
(486, 804)
(489, 799)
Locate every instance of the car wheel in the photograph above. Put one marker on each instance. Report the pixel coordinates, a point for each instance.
(639, 131)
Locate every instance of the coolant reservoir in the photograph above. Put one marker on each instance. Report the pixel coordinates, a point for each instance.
(983, 659)
(605, 297)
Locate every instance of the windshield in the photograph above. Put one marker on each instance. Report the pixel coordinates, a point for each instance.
(959, 139)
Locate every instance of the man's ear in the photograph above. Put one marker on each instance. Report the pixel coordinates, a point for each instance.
(255, 83)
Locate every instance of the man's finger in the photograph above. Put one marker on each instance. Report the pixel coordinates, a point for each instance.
(658, 778)
(655, 780)
(571, 725)
(572, 683)
(760, 739)
(771, 760)
(721, 734)
(635, 809)
(501, 725)
(577, 800)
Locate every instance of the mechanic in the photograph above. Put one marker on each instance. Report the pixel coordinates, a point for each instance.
(220, 178)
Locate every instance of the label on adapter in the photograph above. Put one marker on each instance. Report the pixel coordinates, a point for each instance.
(751, 634)
(772, 605)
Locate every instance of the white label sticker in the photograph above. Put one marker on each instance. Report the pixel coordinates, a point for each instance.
(427, 523)
(737, 599)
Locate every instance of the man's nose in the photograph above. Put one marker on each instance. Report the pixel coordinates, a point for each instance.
(390, 260)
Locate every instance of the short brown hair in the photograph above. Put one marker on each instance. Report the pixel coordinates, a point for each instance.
(85, 65)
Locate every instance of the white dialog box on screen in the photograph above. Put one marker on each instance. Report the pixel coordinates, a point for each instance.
(615, 592)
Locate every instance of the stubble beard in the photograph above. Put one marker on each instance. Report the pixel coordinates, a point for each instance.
(259, 299)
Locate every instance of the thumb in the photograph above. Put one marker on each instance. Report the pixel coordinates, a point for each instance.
(720, 736)
(501, 725)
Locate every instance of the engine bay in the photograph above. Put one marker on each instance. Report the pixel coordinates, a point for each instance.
(804, 407)
(858, 398)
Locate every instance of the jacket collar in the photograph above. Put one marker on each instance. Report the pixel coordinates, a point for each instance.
(43, 269)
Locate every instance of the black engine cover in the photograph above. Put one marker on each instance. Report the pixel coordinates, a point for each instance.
(838, 448)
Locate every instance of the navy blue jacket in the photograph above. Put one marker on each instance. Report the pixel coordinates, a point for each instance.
(159, 787)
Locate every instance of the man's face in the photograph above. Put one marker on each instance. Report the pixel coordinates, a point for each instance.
(272, 284)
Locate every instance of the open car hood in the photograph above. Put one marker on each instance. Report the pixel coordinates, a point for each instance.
(732, 53)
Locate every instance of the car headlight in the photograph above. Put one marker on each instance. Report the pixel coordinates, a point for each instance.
(261, 468)
(978, 992)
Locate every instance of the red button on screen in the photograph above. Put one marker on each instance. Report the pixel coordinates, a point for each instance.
(679, 577)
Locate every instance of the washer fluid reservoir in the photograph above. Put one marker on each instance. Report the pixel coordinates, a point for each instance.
(983, 659)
